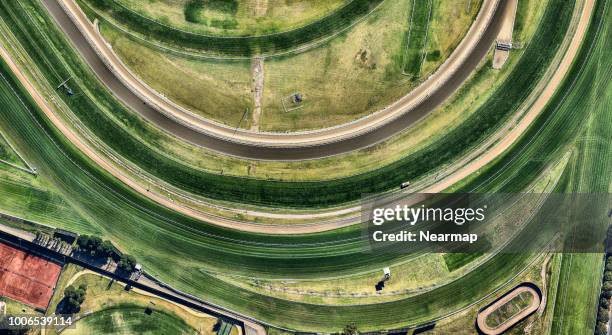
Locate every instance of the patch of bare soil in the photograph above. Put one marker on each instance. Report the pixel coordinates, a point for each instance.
(257, 70)
(365, 58)
(259, 7)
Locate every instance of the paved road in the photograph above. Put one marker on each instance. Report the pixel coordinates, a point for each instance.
(276, 152)
(23, 240)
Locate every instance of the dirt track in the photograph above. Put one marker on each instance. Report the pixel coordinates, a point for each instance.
(496, 147)
(505, 35)
(536, 107)
(279, 146)
(439, 186)
(482, 316)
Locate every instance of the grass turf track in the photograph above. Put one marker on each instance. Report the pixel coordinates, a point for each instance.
(130, 319)
(334, 23)
(138, 224)
(577, 296)
(456, 261)
(37, 204)
(417, 37)
(112, 130)
(7, 154)
(585, 128)
(580, 277)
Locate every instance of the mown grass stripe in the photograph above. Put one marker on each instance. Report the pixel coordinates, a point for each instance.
(245, 46)
(416, 39)
(465, 136)
(160, 237)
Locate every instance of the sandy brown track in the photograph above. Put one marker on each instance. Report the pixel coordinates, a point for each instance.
(482, 316)
(454, 64)
(439, 186)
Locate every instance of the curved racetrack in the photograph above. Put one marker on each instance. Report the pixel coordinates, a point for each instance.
(257, 151)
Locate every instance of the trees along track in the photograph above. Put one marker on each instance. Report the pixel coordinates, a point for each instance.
(344, 138)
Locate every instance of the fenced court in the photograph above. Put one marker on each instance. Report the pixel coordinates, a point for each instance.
(293, 101)
(27, 278)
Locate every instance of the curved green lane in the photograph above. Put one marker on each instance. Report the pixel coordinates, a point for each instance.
(57, 60)
(130, 320)
(246, 46)
(161, 238)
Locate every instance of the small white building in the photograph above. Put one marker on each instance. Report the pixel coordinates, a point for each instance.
(386, 273)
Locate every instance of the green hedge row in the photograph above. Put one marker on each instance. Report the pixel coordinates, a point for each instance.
(503, 103)
(238, 46)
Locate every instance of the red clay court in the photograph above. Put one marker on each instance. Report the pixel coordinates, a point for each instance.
(27, 278)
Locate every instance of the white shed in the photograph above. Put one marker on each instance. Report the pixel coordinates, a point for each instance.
(387, 273)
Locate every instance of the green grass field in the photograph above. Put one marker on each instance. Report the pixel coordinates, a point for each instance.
(246, 46)
(235, 17)
(576, 304)
(7, 154)
(446, 17)
(110, 309)
(455, 261)
(159, 237)
(362, 67)
(416, 37)
(217, 90)
(33, 203)
(129, 320)
(13, 307)
(294, 194)
(508, 310)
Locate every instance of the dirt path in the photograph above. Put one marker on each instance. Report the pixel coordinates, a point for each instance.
(482, 316)
(444, 82)
(544, 284)
(257, 71)
(507, 139)
(17, 232)
(505, 36)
